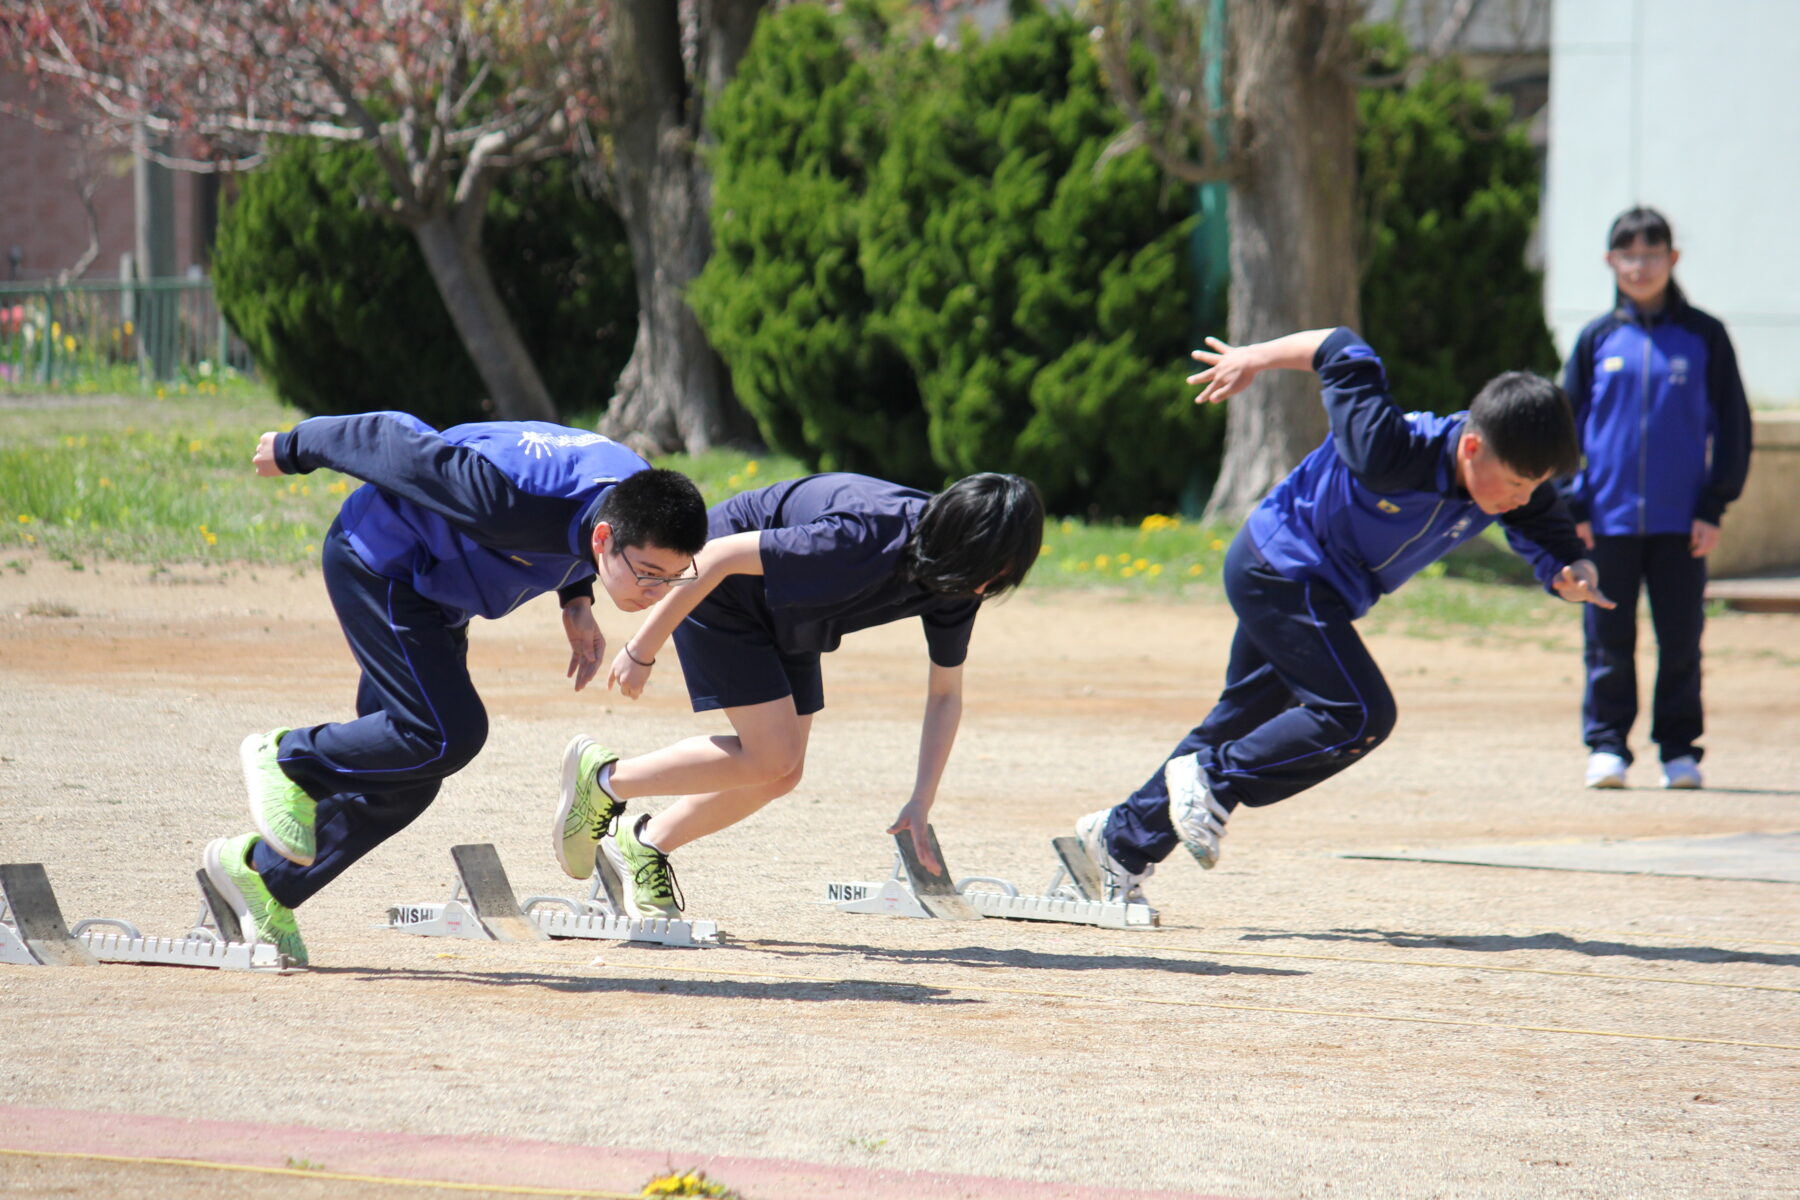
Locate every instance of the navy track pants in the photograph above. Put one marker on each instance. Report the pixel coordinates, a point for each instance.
(1303, 699)
(419, 721)
(1661, 565)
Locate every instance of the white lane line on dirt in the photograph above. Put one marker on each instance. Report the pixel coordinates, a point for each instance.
(139, 1160)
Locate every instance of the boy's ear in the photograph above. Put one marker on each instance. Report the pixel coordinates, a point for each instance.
(1469, 445)
(602, 538)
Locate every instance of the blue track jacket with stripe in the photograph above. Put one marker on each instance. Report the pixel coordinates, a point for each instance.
(479, 518)
(1379, 500)
(1652, 396)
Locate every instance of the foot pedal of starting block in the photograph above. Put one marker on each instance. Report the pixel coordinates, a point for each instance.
(32, 929)
(1084, 876)
(594, 918)
(220, 944)
(934, 889)
(1066, 899)
(490, 894)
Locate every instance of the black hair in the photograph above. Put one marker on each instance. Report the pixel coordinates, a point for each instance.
(1528, 424)
(987, 528)
(1653, 227)
(658, 508)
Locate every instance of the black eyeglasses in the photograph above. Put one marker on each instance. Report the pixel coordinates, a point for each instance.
(688, 576)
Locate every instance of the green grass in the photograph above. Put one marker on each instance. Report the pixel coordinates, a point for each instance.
(167, 480)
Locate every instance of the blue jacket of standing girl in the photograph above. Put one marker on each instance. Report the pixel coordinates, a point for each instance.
(1652, 395)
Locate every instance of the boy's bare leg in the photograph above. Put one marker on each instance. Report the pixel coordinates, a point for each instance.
(720, 780)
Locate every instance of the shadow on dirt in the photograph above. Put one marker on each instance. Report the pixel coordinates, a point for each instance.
(858, 990)
(985, 956)
(1501, 943)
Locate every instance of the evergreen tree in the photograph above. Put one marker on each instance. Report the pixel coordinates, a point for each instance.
(783, 298)
(1040, 294)
(338, 309)
(1449, 190)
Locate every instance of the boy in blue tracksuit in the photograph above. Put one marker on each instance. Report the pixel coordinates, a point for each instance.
(1665, 429)
(473, 521)
(1387, 493)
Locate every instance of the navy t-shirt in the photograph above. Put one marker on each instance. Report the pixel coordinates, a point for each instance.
(831, 547)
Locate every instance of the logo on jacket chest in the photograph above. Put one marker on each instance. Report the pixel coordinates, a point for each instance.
(1678, 370)
(1457, 530)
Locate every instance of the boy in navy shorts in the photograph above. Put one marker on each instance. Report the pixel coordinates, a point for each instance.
(789, 570)
(470, 522)
(1388, 493)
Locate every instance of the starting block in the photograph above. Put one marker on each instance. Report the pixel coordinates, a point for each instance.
(33, 933)
(482, 906)
(1073, 896)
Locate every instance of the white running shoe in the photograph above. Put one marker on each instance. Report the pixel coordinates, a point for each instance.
(1682, 773)
(1120, 884)
(1197, 817)
(1606, 770)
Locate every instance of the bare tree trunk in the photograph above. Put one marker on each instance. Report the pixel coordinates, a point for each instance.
(1293, 257)
(481, 320)
(674, 393)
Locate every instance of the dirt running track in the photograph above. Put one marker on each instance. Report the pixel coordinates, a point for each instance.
(1302, 1024)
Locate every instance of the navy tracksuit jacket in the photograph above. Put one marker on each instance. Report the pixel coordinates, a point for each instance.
(1665, 431)
(1362, 514)
(473, 521)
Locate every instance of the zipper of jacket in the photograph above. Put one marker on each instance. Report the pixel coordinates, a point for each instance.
(1415, 537)
(1644, 441)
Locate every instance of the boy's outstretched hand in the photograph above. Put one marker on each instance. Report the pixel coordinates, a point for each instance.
(1229, 370)
(264, 458)
(916, 819)
(1580, 582)
(587, 645)
(628, 674)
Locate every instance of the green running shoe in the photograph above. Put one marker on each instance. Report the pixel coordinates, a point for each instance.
(264, 918)
(586, 813)
(284, 814)
(646, 879)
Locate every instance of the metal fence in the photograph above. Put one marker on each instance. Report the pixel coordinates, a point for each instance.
(114, 334)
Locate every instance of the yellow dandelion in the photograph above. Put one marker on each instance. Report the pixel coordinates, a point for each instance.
(129, 329)
(69, 343)
(1043, 550)
(195, 446)
(1195, 569)
(1155, 570)
(55, 329)
(338, 488)
(1067, 526)
(1127, 572)
(750, 468)
(30, 540)
(735, 481)
(1101, 562)
(311, 549)
(1217, 544)
(24, 518)
(105, 482)
(1141, 563)
(162, 393)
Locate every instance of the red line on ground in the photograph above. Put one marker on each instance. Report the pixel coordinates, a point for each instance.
(500, 1161)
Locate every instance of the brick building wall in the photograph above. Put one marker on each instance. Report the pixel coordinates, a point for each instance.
(40, 207)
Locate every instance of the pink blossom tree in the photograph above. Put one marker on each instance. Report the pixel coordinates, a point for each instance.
(446, 93)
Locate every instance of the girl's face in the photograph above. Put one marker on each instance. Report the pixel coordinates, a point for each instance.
(1643, 271)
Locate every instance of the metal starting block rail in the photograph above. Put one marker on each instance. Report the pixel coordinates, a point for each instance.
(1073, 896)
(483, 906)
(33, 933)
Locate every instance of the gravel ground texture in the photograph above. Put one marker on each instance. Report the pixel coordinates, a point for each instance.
(1302, 1024)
